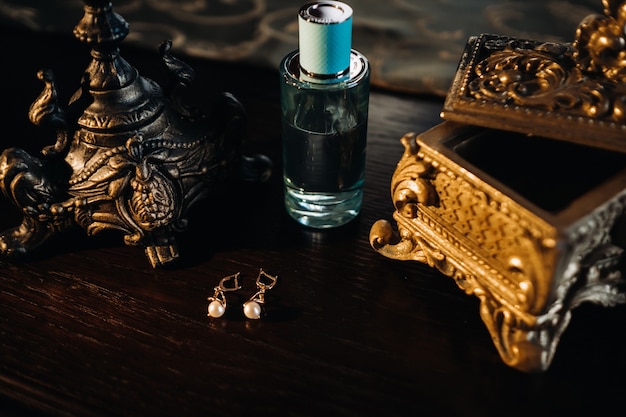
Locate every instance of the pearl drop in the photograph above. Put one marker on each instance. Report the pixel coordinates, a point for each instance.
(252, 310)
(216, 309)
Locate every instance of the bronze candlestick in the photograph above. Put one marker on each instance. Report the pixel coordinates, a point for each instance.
(128, 155)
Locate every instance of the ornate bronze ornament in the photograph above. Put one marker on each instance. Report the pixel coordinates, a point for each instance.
(520, 194)
(574, 92)
(128, 156)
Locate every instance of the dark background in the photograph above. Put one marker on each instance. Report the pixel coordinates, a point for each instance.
(413, 45)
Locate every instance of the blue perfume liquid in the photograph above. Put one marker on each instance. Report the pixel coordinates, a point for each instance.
(324, 144)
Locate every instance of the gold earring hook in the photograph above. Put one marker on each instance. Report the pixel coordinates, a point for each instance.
(223, 287)
(265, 281)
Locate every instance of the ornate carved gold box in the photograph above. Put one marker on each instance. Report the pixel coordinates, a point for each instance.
(519, 195)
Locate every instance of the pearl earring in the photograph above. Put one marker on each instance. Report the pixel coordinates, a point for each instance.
(217, 305)
(254, 307)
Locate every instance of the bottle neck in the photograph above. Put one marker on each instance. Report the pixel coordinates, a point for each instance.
(359, 69)
(324, 78)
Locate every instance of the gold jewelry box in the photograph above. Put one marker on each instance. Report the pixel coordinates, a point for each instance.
(519, 194)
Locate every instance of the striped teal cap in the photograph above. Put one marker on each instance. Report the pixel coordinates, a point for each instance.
(325, 37)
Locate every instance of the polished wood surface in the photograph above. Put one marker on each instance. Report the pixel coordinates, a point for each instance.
(88, 328)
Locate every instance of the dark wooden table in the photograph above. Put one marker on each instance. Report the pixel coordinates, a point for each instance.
(88, 328)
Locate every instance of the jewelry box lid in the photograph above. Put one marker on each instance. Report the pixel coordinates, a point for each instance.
(574, 92)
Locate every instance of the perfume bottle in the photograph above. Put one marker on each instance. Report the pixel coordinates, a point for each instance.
(324, 104)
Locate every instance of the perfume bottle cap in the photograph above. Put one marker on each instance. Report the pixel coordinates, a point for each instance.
(325, 39)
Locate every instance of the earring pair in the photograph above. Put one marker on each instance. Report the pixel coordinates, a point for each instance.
(254, 307)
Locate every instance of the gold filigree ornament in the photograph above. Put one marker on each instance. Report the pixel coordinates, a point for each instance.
(519, 195)
(570, 91)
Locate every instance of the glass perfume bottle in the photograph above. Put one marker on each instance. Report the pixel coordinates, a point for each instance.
(324, 103)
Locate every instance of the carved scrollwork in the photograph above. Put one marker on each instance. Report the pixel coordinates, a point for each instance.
(502, 82)
(527, 272)
(138, 158)
(584, 78)
(544, 76)
(411, 181)
(600, 45)
(410, 187)
(404, 245)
